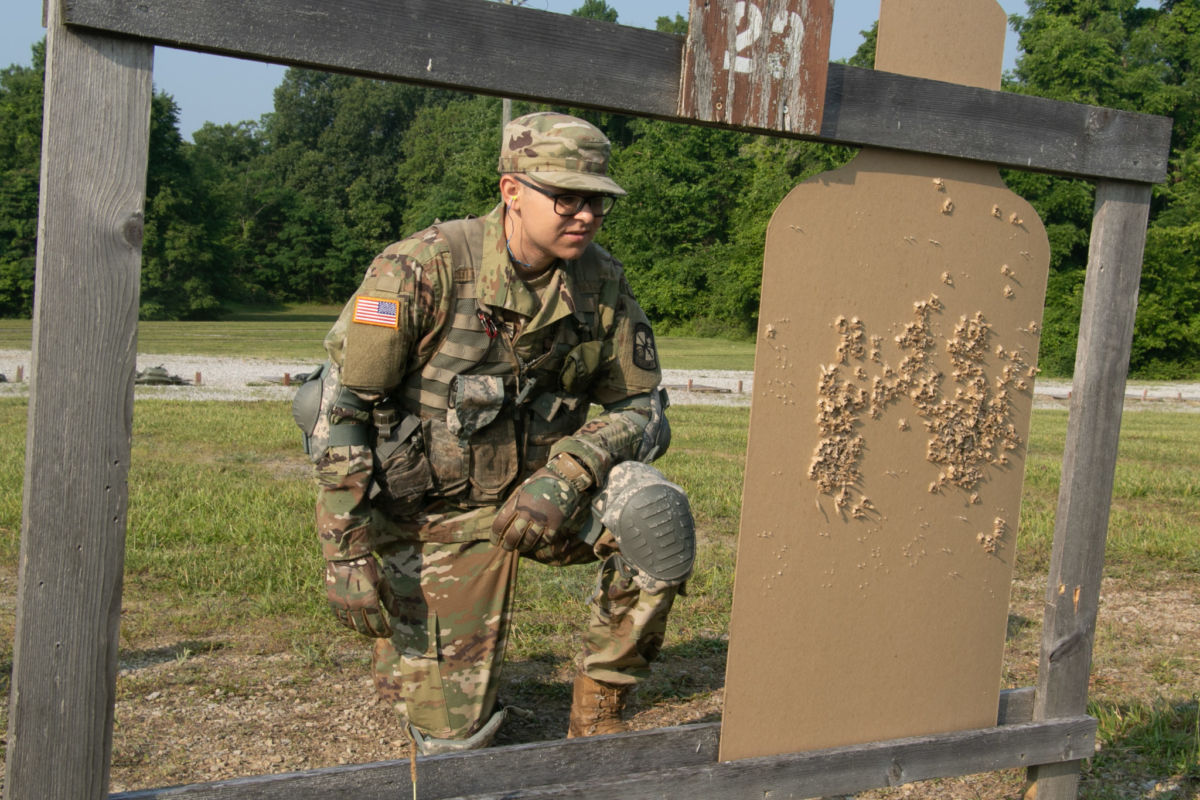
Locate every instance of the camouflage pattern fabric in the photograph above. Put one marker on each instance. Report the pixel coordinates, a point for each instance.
(343, 506)
(453, 588)
(558, 150)
(420, 268)
(444, 657)
(358, 595)
(441, 668)
(541, 507)
(476, 402)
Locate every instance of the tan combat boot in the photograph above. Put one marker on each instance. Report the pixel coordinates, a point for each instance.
(596, 708)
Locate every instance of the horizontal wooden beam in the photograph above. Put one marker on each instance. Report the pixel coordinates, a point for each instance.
(1013, 130)
(498, 49)
(653, 762)
(841, 770)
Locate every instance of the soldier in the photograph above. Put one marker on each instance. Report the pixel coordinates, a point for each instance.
(451, 438)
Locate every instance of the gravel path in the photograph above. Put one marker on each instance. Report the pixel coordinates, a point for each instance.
(223, 378)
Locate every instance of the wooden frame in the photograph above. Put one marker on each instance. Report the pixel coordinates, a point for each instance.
(98, 90)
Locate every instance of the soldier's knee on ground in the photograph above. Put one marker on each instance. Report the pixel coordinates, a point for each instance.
(429, 746)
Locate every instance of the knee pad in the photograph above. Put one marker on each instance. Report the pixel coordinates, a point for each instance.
(429, 746)
(651, 520)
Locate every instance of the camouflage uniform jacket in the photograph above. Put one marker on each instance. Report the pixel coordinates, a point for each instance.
(499, 379)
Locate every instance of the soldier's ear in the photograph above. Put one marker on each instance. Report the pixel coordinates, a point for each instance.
(509, 189)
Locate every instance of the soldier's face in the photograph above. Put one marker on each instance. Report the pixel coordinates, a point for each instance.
(540, 232)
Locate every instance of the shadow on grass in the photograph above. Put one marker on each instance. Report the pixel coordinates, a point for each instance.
(1155, 747)
(180, 651)
(683, 688)
(1016, 624)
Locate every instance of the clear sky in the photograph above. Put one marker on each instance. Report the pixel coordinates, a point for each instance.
(214, 89)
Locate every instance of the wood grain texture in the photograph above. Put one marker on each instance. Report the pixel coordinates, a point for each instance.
(1089, 460)
(687, 769)
(757, 63)
(486, 47)
(493, 48)
(95, 140)
(577, 762)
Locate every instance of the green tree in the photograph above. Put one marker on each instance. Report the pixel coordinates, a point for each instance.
(673, 230)
(333, 143)
(183, 261)
(864, 56)
(1121, 55)
(20, 164)
(449, 157)
(677, 26)
(596, 9)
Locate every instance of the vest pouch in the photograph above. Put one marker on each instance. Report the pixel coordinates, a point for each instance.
(473, 449)
(474, 402)
(551, 417)
(474, 415)
(494, 461)
(450, 459)
(580, 367)
(403, 476)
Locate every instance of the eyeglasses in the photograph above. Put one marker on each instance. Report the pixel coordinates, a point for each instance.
(568, 204)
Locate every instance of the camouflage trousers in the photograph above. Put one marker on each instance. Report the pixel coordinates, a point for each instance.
(441, 667)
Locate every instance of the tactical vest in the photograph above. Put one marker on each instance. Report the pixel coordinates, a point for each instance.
(488, 417)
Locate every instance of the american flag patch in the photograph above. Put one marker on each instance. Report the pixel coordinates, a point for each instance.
(374, 311)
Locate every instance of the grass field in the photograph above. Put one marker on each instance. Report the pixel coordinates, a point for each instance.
(295, 334)
(221, 564)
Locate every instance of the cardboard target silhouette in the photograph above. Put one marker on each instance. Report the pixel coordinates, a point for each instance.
(897, 344)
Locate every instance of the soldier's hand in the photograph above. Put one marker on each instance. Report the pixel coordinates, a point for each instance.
(358, 594)
(538, 509)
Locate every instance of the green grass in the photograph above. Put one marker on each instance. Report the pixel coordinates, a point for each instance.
(1154, 523)
(296, 332)
(290, 333)
(220, 534)
(220, 499)
(683, 352)
(1162, 737)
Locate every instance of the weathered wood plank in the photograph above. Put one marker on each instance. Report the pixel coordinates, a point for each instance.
(485, 47)
(1089, 461)
(760, 63)
(576, 761)
(94, 144)
(474, 771)
(1016, 705)
(907, 113)
(842, 770)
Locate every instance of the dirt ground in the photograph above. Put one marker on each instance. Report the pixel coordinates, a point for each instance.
(271, 701)
(202, 708)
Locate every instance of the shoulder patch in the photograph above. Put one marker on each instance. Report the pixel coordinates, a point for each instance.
(645, 354)
(377, 311)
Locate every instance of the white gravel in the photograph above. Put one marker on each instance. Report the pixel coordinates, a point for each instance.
(223, 378)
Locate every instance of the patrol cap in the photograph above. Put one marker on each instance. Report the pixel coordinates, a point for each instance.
(558, 150)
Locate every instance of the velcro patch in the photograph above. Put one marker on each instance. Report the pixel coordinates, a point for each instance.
(377, 311)
(645, 354)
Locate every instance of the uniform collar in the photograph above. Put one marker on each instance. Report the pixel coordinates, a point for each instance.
(499, 286)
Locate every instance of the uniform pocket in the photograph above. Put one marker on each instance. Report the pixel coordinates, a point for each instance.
(402, 472)
(494, 461)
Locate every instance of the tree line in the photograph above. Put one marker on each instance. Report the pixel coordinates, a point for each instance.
(292, 207)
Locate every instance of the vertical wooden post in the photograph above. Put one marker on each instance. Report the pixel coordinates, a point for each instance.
(1081, 522)
(757, 62)
(95, 139)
